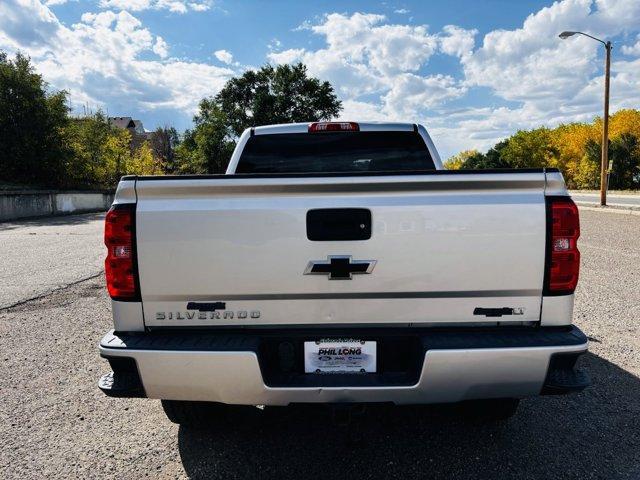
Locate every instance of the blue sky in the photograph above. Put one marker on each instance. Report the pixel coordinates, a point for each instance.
(472, 71)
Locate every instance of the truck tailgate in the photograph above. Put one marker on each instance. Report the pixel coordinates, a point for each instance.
(446, 248)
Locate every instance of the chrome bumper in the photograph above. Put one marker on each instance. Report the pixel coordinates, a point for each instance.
(450, 372)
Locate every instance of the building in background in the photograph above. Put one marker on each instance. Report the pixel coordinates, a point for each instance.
(138, 134)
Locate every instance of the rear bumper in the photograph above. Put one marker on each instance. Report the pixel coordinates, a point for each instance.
(450, 366)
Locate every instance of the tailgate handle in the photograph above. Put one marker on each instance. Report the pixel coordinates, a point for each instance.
(331, 224)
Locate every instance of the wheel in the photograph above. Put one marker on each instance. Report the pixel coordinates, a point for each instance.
(490, 410)
(204, 414)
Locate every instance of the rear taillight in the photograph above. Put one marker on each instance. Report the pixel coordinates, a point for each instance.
(563, 257)
(319, 127)
(120, 265)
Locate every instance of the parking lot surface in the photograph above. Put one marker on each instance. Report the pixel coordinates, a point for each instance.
(42, 255)
(55, 423)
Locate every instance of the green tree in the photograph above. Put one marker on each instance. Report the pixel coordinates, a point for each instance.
(206, 148)
(163, 142)
(214, 136)
(494, 158)
(529, 149)
(279, 94)
(624, 162)
(189, 158)
(32, 121)
(475, 160)
(87, 164)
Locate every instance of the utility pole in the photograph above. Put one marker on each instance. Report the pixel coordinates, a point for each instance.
(604, 167)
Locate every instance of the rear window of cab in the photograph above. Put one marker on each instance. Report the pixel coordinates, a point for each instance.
(335, 152)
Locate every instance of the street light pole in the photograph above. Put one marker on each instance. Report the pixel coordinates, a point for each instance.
(604, 158)
(604, 167)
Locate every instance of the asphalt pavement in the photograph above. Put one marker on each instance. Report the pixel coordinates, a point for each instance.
(54, 423)
(39, 256)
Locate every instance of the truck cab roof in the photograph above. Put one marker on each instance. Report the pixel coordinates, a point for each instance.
(349, 126)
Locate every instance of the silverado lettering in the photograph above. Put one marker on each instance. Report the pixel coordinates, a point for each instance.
(241, 314)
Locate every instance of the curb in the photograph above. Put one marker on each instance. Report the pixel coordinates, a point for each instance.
(619, 209)
(36, 218)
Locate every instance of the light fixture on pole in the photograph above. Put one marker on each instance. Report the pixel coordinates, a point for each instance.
(604, 160)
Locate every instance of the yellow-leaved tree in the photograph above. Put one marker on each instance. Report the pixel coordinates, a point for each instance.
(623, 121)
(573, 148)
(457, 162)
(142, 162)
(116, 156)
(570, 141)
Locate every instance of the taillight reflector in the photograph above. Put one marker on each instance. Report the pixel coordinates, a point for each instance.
(119, 266)
(563, 257)
(319, 127)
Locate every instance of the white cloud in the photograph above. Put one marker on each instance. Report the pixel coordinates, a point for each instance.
(292, 55)
(343, 32)
(400, 48)
(224, 56)
(363, 54)
(161, 48)
(25, 24)
(531, 62)
(401, 11)
(632, 49)
(176, 6)
(133, 5)
(412, 93)
(200, 6)
(52, 3)
(457, 41)
(356, 110)
(99, 60)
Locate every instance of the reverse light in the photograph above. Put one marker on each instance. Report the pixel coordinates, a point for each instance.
(119, 266)
(561, 244)
(563, 257)
(318, 127)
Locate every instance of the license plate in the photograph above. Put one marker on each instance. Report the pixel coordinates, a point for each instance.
(338, 356)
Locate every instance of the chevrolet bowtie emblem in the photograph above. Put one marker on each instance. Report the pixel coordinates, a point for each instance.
(339, 267)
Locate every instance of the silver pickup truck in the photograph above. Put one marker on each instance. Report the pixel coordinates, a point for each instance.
(339, 263)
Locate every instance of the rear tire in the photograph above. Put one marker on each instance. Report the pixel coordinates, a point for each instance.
(206, 414)
(490, 410)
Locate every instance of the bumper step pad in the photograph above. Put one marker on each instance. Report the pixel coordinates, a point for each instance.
(121, 384)
(563, 381)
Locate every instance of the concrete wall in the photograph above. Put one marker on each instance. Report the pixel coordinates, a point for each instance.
(24, 204)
